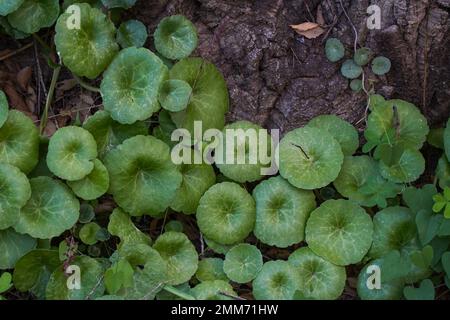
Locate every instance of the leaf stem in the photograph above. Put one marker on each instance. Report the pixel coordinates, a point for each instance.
(85, 85)
(49, 100)
(178, 293)
(301, 149)
(42, 43)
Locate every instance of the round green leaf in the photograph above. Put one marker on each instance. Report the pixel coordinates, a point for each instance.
(92, 285)
(396, 122)
(197, 178)
(226, 213)
(334, 49)
(389, 290)
(402, 165)
(362, 56)
(210, 290)
(310, 158)
(340, 231)
(394, 228)
(94, 185)
(381, 65)
(341, 130)
(209, 99)
(6, 28)
(361, 181)
(86, 51)
(281, 212)
(33, 271)
(131, 84)
(33, 15)
(3, 108)
(278, 280)
(8, 6)
(180, 255)
(174, 225)
(15, 191)
(71, 152)
(19, 142)
(246, 144)
(319, 279)
(132, 33)
(51, 210)
(351, 70)
(210, 269)
(356, 85)
(13, 246)
(108, 133)
(243, 263)
(175, 37)
(88, 233)
(174, 95)
(143, 179)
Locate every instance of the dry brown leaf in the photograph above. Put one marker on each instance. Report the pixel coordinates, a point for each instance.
(23, 77)
(15, 99)
(309, 30)
(320, 19)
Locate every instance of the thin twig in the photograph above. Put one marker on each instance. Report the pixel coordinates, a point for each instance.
(351, 23)
(94, 288)
(231, 296)
(49, 100)
(86, 85)
(9, 55)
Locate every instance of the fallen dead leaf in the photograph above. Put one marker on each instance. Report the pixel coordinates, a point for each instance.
(23, 77)
(309, 30)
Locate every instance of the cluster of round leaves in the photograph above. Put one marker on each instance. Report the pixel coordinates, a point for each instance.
(352, 69)
(113, 153)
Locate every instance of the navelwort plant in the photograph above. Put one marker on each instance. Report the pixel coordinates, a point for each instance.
(334, 204)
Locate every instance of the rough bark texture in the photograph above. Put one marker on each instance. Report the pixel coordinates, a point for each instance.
(281, 79)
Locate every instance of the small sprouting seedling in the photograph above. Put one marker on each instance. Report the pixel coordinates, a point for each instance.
(339, 231)
(175, 37)
(87, 213)
(356, 85)
(381, 65)
(362, 56)
(442, 202)
(334, 50)
(132, 33)
(351, 70)
(321, 163)
(88, 233)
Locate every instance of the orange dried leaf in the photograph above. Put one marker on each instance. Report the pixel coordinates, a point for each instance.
(309, 30)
